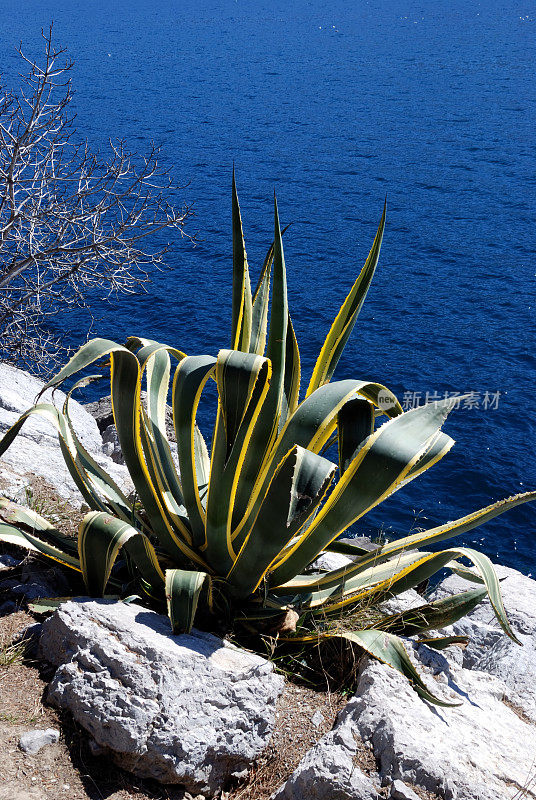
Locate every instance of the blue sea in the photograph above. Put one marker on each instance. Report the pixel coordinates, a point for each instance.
(336, 105)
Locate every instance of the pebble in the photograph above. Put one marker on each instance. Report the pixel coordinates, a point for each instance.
(31, 742)
(318, 718)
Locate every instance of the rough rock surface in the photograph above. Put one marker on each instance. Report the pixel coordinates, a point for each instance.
(489, 648)
(111, 446)
(401, 791)
(480, 750)
(187, 709)
(33, 581)
(325, 562)
(403, 602)
(101, 411)
(36, 451)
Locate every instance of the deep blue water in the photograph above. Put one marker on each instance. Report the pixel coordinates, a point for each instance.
(335, 104)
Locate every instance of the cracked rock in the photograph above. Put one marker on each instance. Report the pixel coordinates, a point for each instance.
(479, 749)
(489, 649)
(190, 709)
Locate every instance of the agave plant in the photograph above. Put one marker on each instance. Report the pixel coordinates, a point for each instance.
(240, 522)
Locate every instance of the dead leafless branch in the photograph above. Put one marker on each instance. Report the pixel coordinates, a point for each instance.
(73, 224)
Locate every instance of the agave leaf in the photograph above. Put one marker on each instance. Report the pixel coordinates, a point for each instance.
(93, 351)
(350, 577)
(12, 535)
(126, 374)
(12, 512)
(353, 588)
(92, 473)
(243, 381)
(236, 376)
(310, 426)
(47, 605)
(378, 470)
(100, 539)
(384, 647)
(345, 320)
(390, 650)
(315, 419)
(190, 378)
(267, 424)
(466, 573)
(349, 549)
(439, 447)
(174, 512)
(442, 642)
(183, 588)
(430, 616)
(242, 303)
(261, 299)
(448, 531)
(297, 488)
(259, 322)
(277, 336)
(292, 375)
(90, 352)
(158, 369)
(67, 445)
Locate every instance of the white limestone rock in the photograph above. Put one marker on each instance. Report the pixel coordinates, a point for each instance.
(401, 791)
(403, 602)
(318, 718)
(36, 452)
(189, 709)
(325, 562)
(489, 648)
(480, 749)
(111, 446)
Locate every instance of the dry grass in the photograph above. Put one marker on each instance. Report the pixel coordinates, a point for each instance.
(45, 501)
(11, 652)
(528, 788)
(294, 735)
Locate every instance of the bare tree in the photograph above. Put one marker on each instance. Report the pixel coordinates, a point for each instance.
(73, 224)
